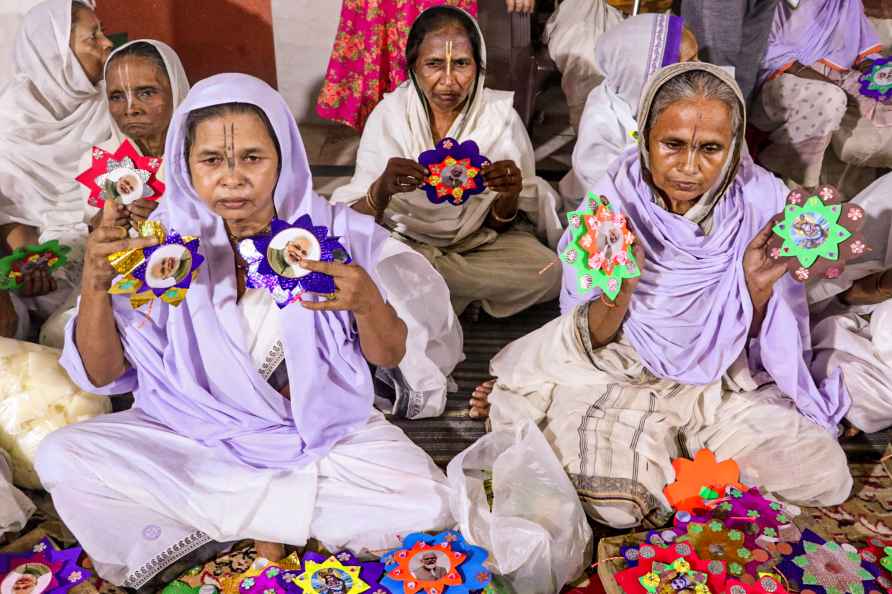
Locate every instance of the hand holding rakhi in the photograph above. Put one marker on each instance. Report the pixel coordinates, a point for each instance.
(355, 290)
(37, 282)
(104, 241)
(122, 217)
(503, 177)
(139, 210)
(400, 175)
(762, 271)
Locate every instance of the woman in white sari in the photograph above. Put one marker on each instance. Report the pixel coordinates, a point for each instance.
(51, 113)
(489, 250)
(627, 55)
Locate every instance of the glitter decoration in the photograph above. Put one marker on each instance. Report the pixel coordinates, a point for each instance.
(714, 542)
(340, 573)
(123, 176)
(43, 570)
(274, 259)
(826, 567)
(670, 569)
(455, 171)
(48, 256)
(876, 83)
(265, 577)
(441, 564)
(600, 247)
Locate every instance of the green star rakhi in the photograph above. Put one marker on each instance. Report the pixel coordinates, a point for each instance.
(818, 234)
(600, 248)
(50, 256)
(876, 83)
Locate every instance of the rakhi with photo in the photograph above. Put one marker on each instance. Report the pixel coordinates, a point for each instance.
(455, 171)
(43, 570)
(876, 83)
(164, 271)
(338, 573)
(274, 259)
(123, 176)
(441, 564)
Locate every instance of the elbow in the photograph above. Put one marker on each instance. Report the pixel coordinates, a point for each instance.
(392, 352)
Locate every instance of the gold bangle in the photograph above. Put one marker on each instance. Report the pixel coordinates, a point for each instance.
(499, 219)
(608, 304)
(371, 201)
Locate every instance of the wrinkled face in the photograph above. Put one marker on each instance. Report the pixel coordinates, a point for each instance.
(445, 68)
(234, 166)
(139, 97)
(429, 561)
(690, 49)
(166, 267)
(688, 145)
(89, 43)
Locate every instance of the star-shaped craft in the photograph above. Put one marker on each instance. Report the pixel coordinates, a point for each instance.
(122, 176)
(454, 169)
(600, 247)
(164, 271)
(45, 569)
(49, 256)
(826, 567)
(265, 577)
(341, 573)
(878, 552)
(658, 567)
(876, 83)
(818, 233)
(441, 564)
(274, 259)
(714, 542)
(698, 477)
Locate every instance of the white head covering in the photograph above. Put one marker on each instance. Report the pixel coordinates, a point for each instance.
(400, 127)
(50, 115)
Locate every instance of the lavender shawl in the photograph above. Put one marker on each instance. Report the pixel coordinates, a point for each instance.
(833, 32)
(690, 315)
(190, 365)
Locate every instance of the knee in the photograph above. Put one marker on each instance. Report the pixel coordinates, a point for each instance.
(56, 456)
(831, 478)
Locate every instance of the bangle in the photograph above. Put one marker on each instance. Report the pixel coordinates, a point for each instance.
(608, 304)
(499, 219)
(371, 201)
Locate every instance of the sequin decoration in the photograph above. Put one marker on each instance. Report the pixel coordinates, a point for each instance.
(671, 569)
(265, 577)
(48, 256)
(714, 542)
(122, 176)
(43, 570)
(455, 171)
(441, 564)
(826, 567)
(876, 83)
(341, 573)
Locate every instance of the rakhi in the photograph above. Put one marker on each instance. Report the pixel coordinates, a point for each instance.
(657, 567)
(265, 577)
(876, 83)
(826, 567)
(164, 271)
(342, 573)
(441, 564)
(455, 171)
(600, 247)
(818, 233)
(273, 259)
(44, 570)
(698, 477)
(49, 256)
(122, 176)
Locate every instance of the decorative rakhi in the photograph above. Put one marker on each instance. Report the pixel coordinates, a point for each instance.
(342, 573)
(441, 564)
(764, 583)
(826, 567)
(818, 234)
(45, 569)
(265, 577)
(164, 271)
(122, 176)
(876, 83)
(671, 568)
(714, 542)
(600, 247)
(48, 256)
(879, 553)
(700, 480)
(274, 258)
(455, 171)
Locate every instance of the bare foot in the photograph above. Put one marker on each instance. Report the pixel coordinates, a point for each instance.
(480, 400)
(272, 551)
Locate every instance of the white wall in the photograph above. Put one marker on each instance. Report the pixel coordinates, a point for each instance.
(11, 12)
(304, 31)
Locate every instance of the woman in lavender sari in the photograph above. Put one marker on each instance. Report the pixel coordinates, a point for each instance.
(810, 97)
(240, 429)
(706, 349)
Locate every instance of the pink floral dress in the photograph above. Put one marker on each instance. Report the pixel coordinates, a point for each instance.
(368, 58)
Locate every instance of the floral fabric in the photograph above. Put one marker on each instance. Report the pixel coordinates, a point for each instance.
(369, 55)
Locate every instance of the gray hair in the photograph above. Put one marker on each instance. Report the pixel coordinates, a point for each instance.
(691, 84)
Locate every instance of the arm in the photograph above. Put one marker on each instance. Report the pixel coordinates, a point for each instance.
(761, 272)
(17, 235)
(870, 290)
(506, 179)
(400, 175)
(605, 318)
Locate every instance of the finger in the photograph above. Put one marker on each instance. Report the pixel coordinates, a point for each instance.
(27, 285)
(333, 269)
(110, 213)
(413, 169)
(140, 210)
(111, 247)
(331, 305)
(110, 233)
(764, 235)
(53, 285)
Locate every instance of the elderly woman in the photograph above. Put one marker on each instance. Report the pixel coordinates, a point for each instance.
(144, 82)
(240, 429)
(51, 113)
(489, 250)
(705, 350)
(810, 92)
(627, 55)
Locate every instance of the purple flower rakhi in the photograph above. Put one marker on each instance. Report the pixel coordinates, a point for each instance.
(44, 570)
(274, 258)
(455, 171)
(876, 83)
(341, 572)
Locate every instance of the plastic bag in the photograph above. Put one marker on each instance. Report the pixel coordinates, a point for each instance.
(536, 533)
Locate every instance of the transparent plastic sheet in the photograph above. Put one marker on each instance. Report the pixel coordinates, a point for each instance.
(536, 531)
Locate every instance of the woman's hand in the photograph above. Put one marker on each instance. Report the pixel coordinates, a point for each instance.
(524, 6)
(9, 320)
(37, 282)
(400, 175)
(762, 271)
(122, 217)
(139, 210)
(504, 178)
(104, 241)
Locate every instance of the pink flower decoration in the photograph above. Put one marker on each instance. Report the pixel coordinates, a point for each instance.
(613, 284)
(858, 247)
(802, 274)
(826, 193)
(833, 272)
(775, 253)
(855, 214)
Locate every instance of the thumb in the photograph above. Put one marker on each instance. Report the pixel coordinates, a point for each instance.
(109, 213)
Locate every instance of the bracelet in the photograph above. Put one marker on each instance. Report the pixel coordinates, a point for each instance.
(499, 219)
(371, 201)
(608, 304)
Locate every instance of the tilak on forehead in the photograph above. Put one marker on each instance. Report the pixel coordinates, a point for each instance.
(229, 145)
(448, 58)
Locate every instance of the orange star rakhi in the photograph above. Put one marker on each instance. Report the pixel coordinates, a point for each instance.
(441, 564)
(700, 480)
(122, 176)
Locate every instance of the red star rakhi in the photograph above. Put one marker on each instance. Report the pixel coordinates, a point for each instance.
(700, 480)
(818, 234)
(454, 171)
(44, 570)
(671, 569)
(122, 176)
(600, 247)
